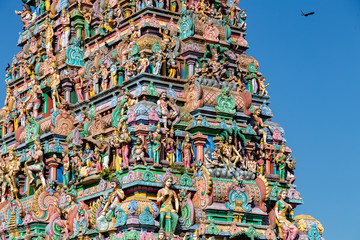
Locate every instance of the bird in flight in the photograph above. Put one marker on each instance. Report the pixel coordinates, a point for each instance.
(306, 14)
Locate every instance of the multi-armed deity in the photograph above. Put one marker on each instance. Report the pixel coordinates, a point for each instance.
(142, 119)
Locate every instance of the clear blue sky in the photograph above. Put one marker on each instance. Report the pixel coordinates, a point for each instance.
(311, 64)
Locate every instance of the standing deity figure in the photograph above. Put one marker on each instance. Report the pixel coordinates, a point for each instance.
(125, 141)
(170, 147)
(95, 81)
(12, 169)
(38, 166)
(163, 104)
(115, 198)
(104, 149)
(26, 15)
(143, 63)
(54, 85)
(281, 160)
(138, 152)
(78, 86)
(32, 101)
(67, 168)
(4, 183)
(258, 124)
(10, 100)
(87, 21)
(187, 151)
(113, 75)
(68, 214)
(171, 63)
(48, 35)
(65, 36)
(159, 3)
(115, 143)
(129, 102)
(262, 87)
(108, 18)
(287, 230)
(155, 139)
(229, 154)
(158, 60)
(168, 214)
(105, 77)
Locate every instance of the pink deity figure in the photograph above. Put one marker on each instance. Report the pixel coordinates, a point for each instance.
(67, 215)
(124, 149)
(287, 230)
(187, 151)
(78, 85)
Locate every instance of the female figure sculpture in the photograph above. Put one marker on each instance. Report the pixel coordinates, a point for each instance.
(187, 151)
(155, 139)
(287, 230)
(168, 214)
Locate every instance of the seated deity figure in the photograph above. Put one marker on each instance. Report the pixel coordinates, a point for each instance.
(287, 230)
(138, 152)
(168, 214)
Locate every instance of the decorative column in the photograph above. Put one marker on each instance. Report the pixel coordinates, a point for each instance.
(191, 65)
(77, 20)
(67, 87)
(53, 164)
(199, 141)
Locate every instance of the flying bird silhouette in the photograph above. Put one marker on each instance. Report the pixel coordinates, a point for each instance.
(306, 14)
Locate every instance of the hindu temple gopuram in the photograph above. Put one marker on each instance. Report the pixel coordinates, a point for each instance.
(142, 120)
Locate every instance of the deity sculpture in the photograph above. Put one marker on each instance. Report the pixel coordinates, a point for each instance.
(13, 168)
(158, 59)
(170, 146)
(65, 36)
(155, 139)
(124, 150)
(229, 154)
(258, 124)
(103, 152)
(87, 21)
(165, 105)
(262, 87)
(115, 198)
(287, 230)
(38, 166)
(32, 101)
(48, 35)
(67, 168)
(68, 214)
(168, 213)
(129, 101)
(26, 15)
(143, 63)
(138, 152)
(104, 77)
(114, 75)
(187, 151)
(54, 85)
(281, 161)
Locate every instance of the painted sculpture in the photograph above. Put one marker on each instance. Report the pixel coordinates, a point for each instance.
(142, 119)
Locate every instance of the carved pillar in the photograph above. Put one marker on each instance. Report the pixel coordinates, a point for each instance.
(53, 164)
(199, 141)
(67, 87)
(191, 65)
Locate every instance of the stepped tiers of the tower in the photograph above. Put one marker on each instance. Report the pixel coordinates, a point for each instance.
(142, 119)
